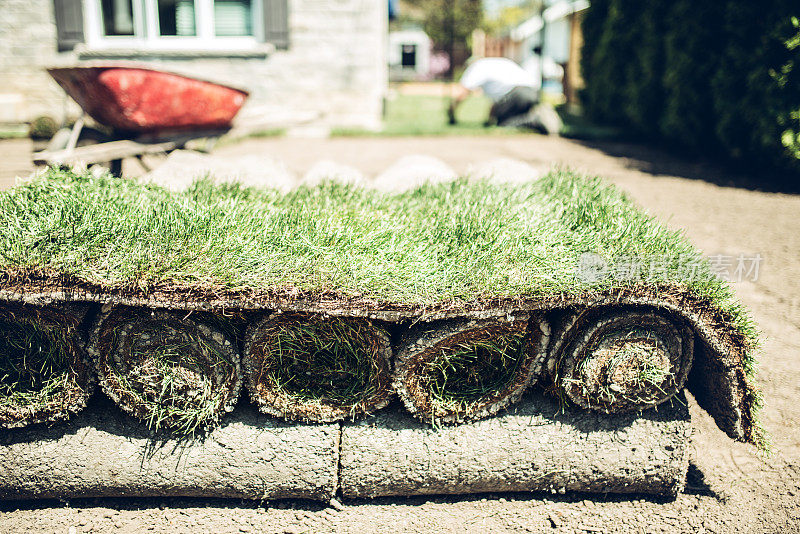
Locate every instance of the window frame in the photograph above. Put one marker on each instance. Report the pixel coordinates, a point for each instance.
(146, 37)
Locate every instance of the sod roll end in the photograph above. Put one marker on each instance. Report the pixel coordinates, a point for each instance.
(455, 371)
(313, 367)
(45, 375)
(168, 369)
(622, 359)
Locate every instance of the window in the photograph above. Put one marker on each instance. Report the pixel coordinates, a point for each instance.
(117, 17)
(232, 18)
(176, 18)
(408, 57)
(175, 24)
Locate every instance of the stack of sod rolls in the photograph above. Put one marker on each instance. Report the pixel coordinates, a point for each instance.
(458, 297)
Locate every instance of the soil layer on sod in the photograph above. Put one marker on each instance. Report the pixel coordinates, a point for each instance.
(536, 445)
(460, 250)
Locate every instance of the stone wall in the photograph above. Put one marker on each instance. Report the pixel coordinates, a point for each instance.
(27, 45)
(335, 67)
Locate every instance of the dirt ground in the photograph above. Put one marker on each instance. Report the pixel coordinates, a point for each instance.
(730, 487)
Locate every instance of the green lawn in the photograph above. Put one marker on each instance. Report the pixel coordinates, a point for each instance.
(427, 115)
(409, 115)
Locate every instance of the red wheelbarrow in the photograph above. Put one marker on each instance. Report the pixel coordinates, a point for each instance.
(146, 111)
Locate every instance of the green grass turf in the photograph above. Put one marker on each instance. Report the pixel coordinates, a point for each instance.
(34, 369)
(170, 386)
(457, 241)
(326, 361)
(469, 372)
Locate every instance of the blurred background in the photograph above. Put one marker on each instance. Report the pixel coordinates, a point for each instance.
(718, 80)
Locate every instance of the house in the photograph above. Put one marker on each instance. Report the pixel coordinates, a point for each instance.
(320, 58)
(409, 54)
(555, 33)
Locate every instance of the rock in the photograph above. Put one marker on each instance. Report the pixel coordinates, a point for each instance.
(183, 167)
(410, 172)
(330, 170)
(505, 170)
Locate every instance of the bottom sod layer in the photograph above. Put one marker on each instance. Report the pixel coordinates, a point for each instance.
(535, 446)
(165, 368)
(315, 368)
(44, 374)
(104, 453)
(455, 371)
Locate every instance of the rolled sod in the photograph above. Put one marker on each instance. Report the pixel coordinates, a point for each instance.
(313, 367)
(461, 250)
(455, 371)
(534, 446)
(168, 369)
(103, 452)
(618, 360)
(45, 374)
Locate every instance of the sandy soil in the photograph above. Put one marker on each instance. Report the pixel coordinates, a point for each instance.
(730, 488)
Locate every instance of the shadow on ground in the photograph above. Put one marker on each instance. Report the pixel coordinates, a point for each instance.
(657, 161)
(695, 485)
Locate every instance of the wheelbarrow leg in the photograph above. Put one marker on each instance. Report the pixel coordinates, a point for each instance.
(143, 163)
(75, 133)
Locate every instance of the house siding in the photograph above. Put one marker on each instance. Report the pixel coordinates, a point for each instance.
(335, 66)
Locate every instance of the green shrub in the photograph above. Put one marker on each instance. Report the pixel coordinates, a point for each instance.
(643, 90)
(602, 66)
(692, 50)
(42, 128)
(719, 77)
(757, 84)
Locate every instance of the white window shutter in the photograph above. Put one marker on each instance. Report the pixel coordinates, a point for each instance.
(276, 23)
(69, 23)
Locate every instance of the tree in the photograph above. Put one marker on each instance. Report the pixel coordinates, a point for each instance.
(510, 16)
(715, 77)
(693, 48)
(449, 24)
